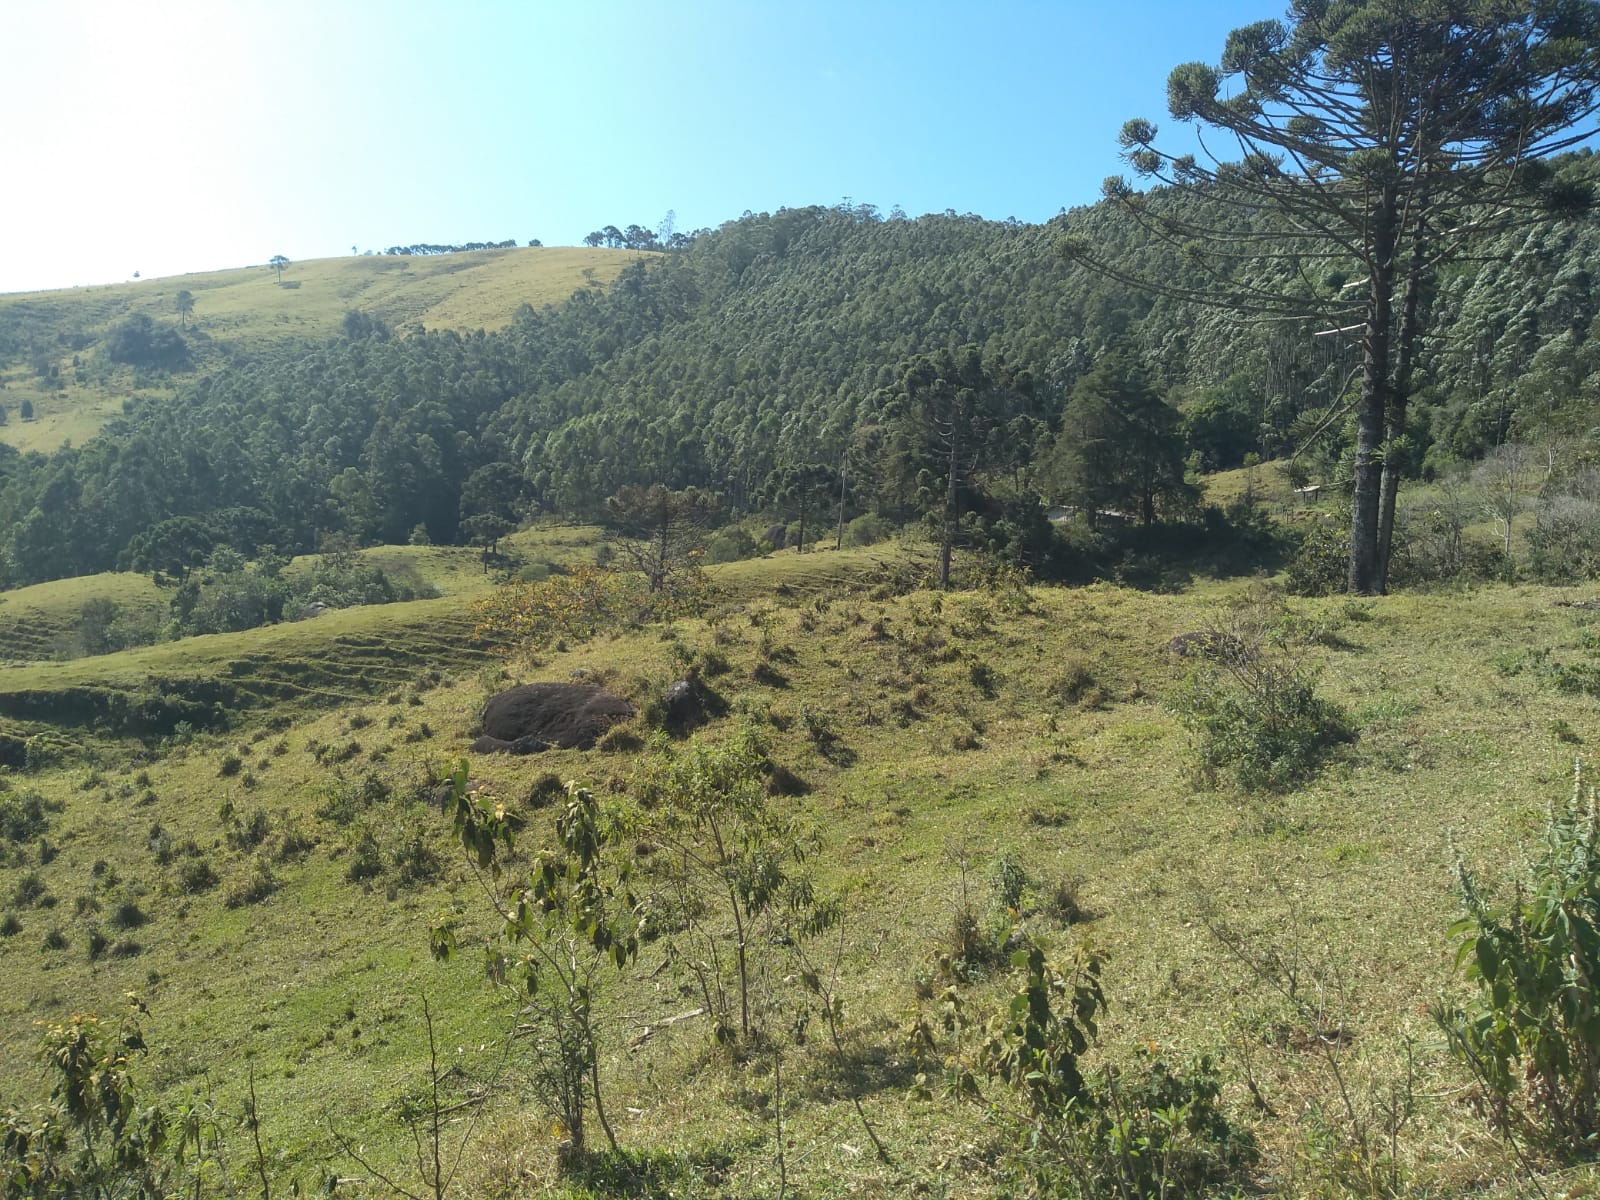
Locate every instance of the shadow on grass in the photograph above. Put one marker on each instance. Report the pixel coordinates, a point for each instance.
(871, 1063)
(648, 1174)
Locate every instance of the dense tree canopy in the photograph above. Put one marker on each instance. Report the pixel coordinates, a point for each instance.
(1379, 138)
(776, 341)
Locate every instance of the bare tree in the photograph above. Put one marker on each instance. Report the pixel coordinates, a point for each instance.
(1504, 477)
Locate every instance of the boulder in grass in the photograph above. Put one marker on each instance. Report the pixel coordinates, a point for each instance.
(685, 706)
(543, 716)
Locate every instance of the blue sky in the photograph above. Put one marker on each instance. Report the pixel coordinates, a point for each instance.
(198, 134)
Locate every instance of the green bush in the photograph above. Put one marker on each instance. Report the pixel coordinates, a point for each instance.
(1564, 544)
(1147, 1130)
(1250, 706)
(1320, 565)
(195, 876)
(730, 545)
(868, 529)
(25, 815)
(1531, 1034)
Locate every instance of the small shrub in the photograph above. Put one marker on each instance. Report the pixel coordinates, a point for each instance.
(366, 859)
(1011, 879)
(1250, 706)
(1075, 684)
(256, 885)
(868, 529)
(620, 739)
(1531, 1035)
(196, 876)
(128, 915)
(30, 891)
(230, 766)
(56, 939)
(25, 815)
(730, 545)
(10, 925)
(96, 942)
(1321, 564)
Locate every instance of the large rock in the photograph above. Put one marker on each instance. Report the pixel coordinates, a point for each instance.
(684, 707)
(539, 716)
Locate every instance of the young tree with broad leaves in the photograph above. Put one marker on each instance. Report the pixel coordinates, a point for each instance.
(1373, 139)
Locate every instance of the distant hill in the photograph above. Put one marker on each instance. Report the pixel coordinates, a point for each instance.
(777, 343)
(56, 347)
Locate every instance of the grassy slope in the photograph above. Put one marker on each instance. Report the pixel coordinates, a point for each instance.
(320, 982)
(248, 309)
(36, 623)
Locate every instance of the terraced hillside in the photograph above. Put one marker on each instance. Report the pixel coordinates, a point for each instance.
(268, 888)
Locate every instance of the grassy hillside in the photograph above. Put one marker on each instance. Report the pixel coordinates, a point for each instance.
(929, 738)
(249, 309)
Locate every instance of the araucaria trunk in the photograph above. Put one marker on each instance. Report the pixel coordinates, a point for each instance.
(1372, 410)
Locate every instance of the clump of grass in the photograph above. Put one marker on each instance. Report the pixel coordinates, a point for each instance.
(546, 790)
(768, 675)
(620, 739)
(195, 876)
(1062, 899)
(128, 915)
(56, 939)
(10, 924)
(366, 858)
(415, 861)
(781, 781)
(230, 766)
(30, 892)
(1076, 685)
(257, 883)
(293, 843)
(251, 831)
(985, 678)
